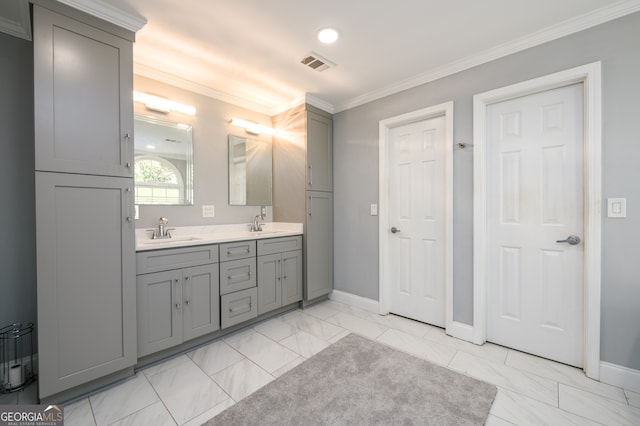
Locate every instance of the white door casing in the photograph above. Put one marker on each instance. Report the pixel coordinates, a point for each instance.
(421, 192)
(590, 77)
(535, 198)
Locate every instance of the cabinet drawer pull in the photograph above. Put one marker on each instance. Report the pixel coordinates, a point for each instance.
(234, 277)
(241, 308)
(177, 306)
(233, 252)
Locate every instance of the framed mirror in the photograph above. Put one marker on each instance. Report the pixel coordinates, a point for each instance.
(163, 162)
(249, 172)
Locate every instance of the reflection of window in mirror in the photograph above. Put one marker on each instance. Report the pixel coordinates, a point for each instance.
(157, 181)
(163, 162)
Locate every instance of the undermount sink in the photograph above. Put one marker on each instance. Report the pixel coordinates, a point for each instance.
(170, 240)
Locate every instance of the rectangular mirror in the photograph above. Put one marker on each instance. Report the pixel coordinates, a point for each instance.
(163, 162)
(249, 172)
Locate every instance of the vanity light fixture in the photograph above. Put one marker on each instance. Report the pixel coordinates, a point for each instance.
(156, 103)
(253, 128)
(328, 35)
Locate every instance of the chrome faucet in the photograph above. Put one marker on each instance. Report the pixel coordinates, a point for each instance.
(162, 231)
(256, 226)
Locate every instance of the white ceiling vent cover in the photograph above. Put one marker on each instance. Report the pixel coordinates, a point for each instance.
(317, 62)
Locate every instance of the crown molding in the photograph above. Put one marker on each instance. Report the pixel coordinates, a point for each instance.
(565, 28)
(21, 26)
(154, 74)
(319, 103)
(109, 13)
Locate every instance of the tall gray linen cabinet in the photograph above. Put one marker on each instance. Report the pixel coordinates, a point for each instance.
(83, 84)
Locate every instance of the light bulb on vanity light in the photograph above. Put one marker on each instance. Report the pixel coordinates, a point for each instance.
(253, 128)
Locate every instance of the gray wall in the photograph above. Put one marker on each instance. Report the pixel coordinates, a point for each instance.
(17, 185)
(617, 45)
(210, 150)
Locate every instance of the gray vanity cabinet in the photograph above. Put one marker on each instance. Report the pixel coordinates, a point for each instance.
(86, 279)
(319, 245)
(83, 80)
(279, 272)
(176, 305)
(319, 152)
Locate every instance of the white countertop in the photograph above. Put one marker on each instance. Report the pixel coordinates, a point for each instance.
(183, 236)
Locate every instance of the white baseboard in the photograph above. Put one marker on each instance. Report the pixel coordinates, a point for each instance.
(620, 376)
(460, 331)
(355, 300)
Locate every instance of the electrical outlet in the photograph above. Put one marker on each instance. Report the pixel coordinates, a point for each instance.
(617, 207)
(374, 210)
(208, 211)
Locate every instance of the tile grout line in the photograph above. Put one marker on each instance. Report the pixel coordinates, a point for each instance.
(544, 403)
(160, 399)
(93, 414)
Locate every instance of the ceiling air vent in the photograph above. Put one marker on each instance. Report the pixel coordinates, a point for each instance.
(317, 62)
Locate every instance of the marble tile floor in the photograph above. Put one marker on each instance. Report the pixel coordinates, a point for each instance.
(192, 388)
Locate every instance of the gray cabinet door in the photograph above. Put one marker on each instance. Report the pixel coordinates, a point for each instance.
(318, 251)
(291, 277)
(86, 288)
(319, 152)
(201, 302)
(83, 82)
(269, 282)
(159, 311)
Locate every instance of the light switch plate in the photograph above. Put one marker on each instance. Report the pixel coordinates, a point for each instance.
(208, 211)
(617, 207)
(374, 210)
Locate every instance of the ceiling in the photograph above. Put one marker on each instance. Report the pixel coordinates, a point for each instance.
(248, 52)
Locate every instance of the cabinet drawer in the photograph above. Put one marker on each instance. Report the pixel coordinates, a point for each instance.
(237, 250)
(238, 307)
(167, 259)
(237, 275)
(279, 245)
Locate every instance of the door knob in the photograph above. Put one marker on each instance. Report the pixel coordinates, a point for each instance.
(394, 230)
(571, 239)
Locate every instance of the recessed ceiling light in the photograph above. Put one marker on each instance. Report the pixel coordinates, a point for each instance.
(328, 35)
(151, 147)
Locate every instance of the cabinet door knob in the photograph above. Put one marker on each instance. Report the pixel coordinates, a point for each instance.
(187, 302)
(177, 306)
(129, 219)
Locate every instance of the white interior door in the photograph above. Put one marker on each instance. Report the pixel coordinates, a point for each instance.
(417, 184)
(535, 199)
